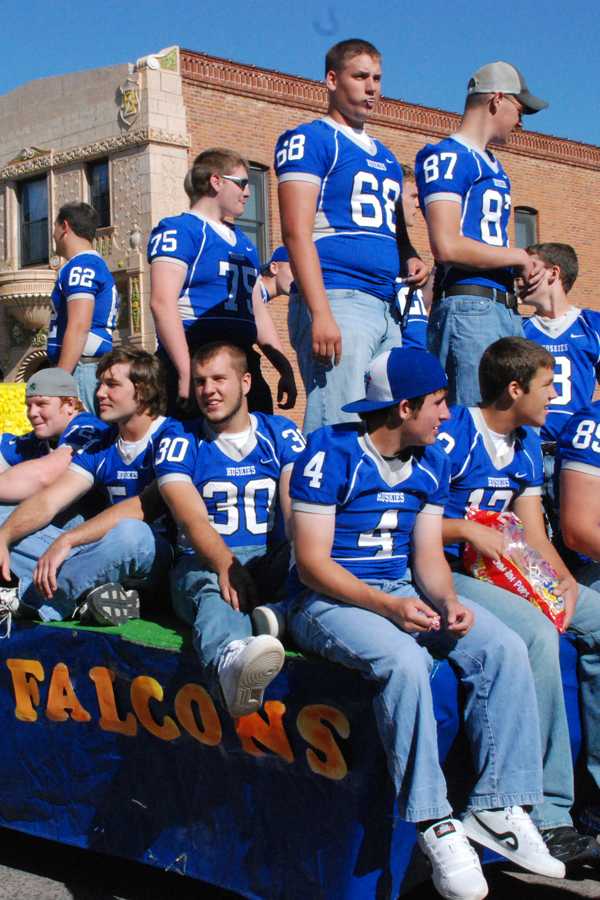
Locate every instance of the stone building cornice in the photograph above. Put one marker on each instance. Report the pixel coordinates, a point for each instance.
(42, 161)
(270, 85)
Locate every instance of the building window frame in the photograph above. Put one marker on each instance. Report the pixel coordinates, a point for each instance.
(256, 224)
(526, 226)
(103, 208)
(34, 235)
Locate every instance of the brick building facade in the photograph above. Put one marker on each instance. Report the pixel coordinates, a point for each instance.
(190, 100)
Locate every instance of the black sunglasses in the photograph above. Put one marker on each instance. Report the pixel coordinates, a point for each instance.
(242, 183)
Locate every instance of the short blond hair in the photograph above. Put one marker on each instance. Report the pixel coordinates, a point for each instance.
(215, 161)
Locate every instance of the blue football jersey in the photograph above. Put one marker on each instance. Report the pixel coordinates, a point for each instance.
(84, 277)
(221, 267)
(578, 448)
(375, 501)
(82, 431)
(574, 341)
(456, 171)
(360, 183)
(414, 319)
(481, 475)
(122, 469)
(238, 485)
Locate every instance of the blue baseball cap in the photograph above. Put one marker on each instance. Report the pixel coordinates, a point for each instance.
(280, 254)
(399, 374)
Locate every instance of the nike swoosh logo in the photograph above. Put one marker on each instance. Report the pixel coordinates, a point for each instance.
(521, 475)
(507, 837)
(576, 335)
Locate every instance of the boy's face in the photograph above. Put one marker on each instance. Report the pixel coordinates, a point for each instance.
(532, 407)
(542, 291)
(410, 202)
(356, 88)
(422, 427)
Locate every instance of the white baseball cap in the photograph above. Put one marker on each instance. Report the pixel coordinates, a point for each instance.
(502, 77)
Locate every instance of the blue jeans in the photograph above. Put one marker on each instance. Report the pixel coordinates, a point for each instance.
(368, 326)
(130, 554)
(197, 600)
(460, 329)
(541, 638)
(87, 384)
(491, 662)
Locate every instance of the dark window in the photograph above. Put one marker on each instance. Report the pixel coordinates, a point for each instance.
(100, 191)
(254, 220)
(33, 211)
(526, 230)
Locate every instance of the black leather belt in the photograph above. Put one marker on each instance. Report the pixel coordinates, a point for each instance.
(478, 290)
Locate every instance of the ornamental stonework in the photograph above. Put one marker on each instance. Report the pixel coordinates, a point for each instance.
(127, 182)
(68, 186)
(2, 225)
(137, 138)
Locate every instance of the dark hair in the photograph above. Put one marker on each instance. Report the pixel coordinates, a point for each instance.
(82, 218)
(408, 173)
(207, 352)
(378, 417)
(215, 161)
(338, 55)
(146, 372)
(510, 359)
(561, 255)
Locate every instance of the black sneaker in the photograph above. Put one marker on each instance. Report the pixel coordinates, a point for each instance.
(109, 604)
(571, 847)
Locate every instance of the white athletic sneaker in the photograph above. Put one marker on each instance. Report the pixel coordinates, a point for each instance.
(456, 868)
(268, 619)
(511, 833)
(9, 606)
(245, 669)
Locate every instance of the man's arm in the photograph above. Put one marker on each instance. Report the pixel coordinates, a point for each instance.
(188, 509)
(166, 280)
(313, 540)
(432, 573)
(38, 511)
(451, 247)
(79, 322)
(21, 481)
(412, 266)
(147, 507)
(270, 343)
(580, 518)
(529, 511)
(297, 207)
(485, 540)
(285, 501)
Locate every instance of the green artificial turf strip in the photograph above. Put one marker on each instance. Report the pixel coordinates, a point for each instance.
(166, 635)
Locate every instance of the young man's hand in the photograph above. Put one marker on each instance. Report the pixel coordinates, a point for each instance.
(458, 618)
(568, 589)
(412, 614)
(485, 540)
(44, 576)
(417, 272)
(326, 338)
(237, 587)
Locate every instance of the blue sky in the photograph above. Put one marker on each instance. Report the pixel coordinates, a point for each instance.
(430, 48)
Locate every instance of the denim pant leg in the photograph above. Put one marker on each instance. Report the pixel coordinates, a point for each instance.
(197, 600)
(128, 553)
(365, 325)
(403, 706)
(541, 638)
(24, 556)
(87, 384)
(586, 625)
(459, 330)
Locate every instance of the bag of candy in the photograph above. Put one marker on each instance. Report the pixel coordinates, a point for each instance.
(520, 570)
